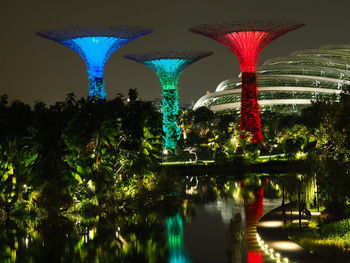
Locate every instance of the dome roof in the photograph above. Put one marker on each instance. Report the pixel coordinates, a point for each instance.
(288, 84)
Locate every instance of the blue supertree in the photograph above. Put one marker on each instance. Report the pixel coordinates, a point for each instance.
(168, 66)
(95, 46)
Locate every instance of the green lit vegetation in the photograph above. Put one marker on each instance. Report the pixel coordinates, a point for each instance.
(103, 157)
(329, 240)
(319, 136)
(140, 236)
(90, 156)
(87, 161)
(213, 137)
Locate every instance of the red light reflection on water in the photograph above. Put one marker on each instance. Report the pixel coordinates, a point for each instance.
(254, 211)
(255, 257)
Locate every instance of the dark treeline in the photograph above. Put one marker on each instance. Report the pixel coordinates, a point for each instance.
(322, 134)
(218, 136)
(102, 157)
(319, 135)
(329, 124)
(94, 156)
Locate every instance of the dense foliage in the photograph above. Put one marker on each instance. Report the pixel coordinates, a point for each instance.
(213, 136)
(320, 134)
(92, 155)
(329, 123)
(328, 240)
(101, 157)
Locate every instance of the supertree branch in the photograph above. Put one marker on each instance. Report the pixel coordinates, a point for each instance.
(168, 70)
(168, 67)
(247, 40)
(246, 45)
(95, 46)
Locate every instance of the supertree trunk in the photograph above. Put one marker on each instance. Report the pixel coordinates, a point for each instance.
(97, 88)
(250, 110)
(169, 66)
(170, 109)
(247, 40)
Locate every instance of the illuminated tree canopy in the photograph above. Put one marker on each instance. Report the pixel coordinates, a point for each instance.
(95, 46)
(169, 66)
(247, 40)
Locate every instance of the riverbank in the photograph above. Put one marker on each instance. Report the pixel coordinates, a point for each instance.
(273, 237)
(240, 167)
(331, 241)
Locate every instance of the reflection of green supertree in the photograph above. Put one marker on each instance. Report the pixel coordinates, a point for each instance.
(168, 66)
(176, 240)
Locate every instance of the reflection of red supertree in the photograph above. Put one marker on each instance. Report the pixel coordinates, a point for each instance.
(259, 195)
(253, 211)
(247, 40)
(255, 257)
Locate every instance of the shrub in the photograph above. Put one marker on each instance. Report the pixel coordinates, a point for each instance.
(89, 207)
(336, 229)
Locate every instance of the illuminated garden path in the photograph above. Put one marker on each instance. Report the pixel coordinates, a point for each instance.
(274, 237)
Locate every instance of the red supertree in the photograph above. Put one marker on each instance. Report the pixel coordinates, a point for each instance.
(247, 40)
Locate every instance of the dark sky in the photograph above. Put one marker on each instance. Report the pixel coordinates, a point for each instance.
(33, 68)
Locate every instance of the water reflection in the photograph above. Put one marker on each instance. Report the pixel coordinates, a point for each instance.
(212, 220)
(254, 208)
(175, 240)
(133, 239)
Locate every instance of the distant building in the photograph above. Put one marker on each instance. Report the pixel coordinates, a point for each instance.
(288, 84)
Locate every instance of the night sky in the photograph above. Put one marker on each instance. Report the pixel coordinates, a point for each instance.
(34, 68)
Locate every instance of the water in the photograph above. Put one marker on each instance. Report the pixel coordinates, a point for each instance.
(212, 221)
(223, 230)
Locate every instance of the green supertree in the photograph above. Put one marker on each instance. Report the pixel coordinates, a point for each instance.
(168, 66)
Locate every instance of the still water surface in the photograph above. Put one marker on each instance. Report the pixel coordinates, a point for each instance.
(212, 220)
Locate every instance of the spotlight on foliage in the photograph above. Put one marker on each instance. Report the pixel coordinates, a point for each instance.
(247, 40)
(95, 46)
(168, 66)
